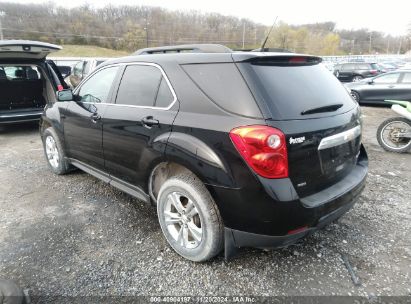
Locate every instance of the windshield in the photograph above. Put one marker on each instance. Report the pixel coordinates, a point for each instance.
(290, 91)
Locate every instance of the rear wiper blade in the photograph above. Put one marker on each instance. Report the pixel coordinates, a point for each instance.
(329, 108)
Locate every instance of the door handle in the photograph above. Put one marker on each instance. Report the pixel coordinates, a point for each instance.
(391, 86)
(149, 121)
(95, 117)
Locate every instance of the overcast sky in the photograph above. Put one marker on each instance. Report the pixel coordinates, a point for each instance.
(392, 17)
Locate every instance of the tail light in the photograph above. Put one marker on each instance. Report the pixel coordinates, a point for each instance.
(59, 87)
(373, 72)
(263, 148)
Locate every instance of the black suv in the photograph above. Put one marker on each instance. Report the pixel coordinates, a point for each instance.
(235, 149)
(356, 71)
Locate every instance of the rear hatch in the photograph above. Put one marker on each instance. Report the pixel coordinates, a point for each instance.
(26, 49)
(309, 105)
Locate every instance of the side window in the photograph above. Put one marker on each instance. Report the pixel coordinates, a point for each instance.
(87, 68)
(164, 95)
(78, 69)
(388, 78)
(363, 66)
(348, 67)
(143, 85)
(97, 87)
(407, 78)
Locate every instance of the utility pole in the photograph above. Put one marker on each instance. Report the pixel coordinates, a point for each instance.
(146, 29)
(399, 48)
(369, 50)
(388, 45)
(243, 34)
(2, 14)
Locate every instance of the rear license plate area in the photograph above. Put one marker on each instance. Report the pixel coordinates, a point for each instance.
(339, 158)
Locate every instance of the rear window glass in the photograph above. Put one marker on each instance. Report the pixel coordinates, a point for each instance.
(224, 85)
(16, 73)
(290, 90)
(375, 66)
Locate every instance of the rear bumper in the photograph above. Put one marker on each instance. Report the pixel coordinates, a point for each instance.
(274, 216)
(240, 239)
(21, 116)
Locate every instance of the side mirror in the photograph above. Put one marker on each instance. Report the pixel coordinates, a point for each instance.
(65, 95)
(370, 81)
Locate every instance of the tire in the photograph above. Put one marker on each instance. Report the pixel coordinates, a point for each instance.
(388, 144)
(54, 152)
(357, 78)
(355, 96)
(189, 218)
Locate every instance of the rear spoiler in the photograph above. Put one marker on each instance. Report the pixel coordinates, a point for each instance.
(279, 59)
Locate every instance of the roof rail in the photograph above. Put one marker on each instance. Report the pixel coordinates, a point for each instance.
(185, 48)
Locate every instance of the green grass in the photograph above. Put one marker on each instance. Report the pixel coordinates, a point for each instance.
(87, 51)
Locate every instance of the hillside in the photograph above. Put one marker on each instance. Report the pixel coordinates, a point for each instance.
(70, 50)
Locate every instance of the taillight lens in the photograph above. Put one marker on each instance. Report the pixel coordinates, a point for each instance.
(373, 71)
(263, 148)
(59, 87)
(297, 60)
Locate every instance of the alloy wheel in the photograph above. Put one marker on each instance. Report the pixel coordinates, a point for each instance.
(52, 152)
(183, 220)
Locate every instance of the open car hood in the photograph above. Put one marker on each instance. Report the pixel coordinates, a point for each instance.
(26, 49)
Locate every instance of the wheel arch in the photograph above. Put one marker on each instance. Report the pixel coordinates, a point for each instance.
(185, 152)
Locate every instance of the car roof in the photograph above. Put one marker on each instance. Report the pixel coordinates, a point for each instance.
(187, 58)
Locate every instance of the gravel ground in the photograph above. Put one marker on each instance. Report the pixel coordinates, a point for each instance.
(75, 235)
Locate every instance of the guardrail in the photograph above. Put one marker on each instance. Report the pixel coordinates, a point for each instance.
(366, 58)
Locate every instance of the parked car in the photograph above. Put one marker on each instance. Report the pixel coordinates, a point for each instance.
(406, 66)
(392, 85)
(388, 67)
(65, 70)
(27, 80)
(355, 71)
(329, 66)
(236, 150)
(81, 69)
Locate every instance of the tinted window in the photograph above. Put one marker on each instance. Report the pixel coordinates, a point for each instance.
(348, 66)
(87, 67)
(139, 85)
(374, 66)
(97, 87)
(363, 66)
(388, 78)
(21, 72)
(78, 69)
(290, 90)
(224, 85)
(407, 78)
(164, 95)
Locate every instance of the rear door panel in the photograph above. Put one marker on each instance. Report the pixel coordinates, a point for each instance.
(131, 146)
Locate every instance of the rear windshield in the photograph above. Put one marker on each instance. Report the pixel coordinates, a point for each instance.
(289, 91)
(16, 73)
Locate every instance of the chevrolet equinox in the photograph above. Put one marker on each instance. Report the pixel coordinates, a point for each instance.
(235, 149)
